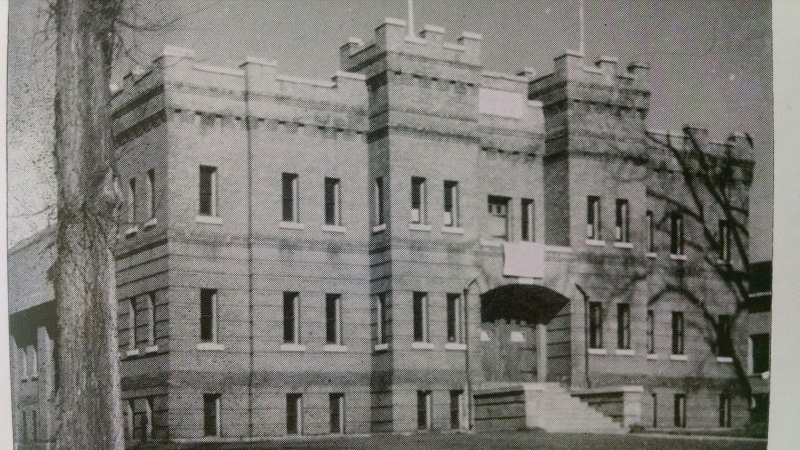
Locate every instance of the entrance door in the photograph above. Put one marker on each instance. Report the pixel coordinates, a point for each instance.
(508, 351)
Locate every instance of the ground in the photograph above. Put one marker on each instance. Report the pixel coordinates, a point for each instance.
(510, 441)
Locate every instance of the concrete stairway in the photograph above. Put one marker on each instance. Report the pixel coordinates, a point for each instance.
(514, 406)
(567, 414)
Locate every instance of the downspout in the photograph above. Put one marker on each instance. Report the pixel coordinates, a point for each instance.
(466, 355)
(586, 335)
(249, 252)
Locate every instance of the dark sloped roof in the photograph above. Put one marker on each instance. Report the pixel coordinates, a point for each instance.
(28, 265)
(528, 302)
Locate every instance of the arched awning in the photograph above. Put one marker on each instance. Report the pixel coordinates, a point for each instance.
(528, 302)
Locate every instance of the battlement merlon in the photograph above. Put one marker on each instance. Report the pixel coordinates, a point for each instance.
(739, 144)
(392, 36)
(179, 66)
(601, 82)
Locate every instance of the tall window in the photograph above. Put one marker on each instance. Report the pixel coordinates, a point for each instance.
(455, 321)
(291, 318)
(418, 200)
(151, 194)
(451, 200)
(130, 310)
(34, 364)
(676, 234)
(128, 413)
(290, 200)
(151, 318)
(333, 319)
(423, 410)
(336, 402)
(147, 419)
(593, 222)
(208, 191)
(211, 414)
(680, 410)
(622, 227)
(651, 232)
(725, 411)
(677, 333)
(759, 353)
(528, 220)
(498, 217)
(724, 347)
(421, 317)
(294, 413)
(724, 241)
(651, 332)
(378, 199)
(456, 408)
(624, 326)
(595, 325)
(23, 364)
(333, 201)
(132, 201)
(35, 426)
(382, 319)
(208, 315)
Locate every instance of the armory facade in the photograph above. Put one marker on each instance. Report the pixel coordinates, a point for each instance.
(417, 244)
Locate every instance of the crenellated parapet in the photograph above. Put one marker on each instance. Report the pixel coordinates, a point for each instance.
(177, 84)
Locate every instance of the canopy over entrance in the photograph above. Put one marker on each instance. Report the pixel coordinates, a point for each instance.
(528, 302)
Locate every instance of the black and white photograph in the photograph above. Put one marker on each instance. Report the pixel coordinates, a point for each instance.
(405, 224)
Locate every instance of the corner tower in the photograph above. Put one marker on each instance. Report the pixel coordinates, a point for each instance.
(594, 122)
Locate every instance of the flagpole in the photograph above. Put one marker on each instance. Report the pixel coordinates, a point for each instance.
(410, 17)
(580, 26)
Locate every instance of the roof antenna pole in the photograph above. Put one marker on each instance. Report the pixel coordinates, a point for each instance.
(411, 17)
(580, 26)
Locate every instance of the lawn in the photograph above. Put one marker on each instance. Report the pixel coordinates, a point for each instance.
(519, 440)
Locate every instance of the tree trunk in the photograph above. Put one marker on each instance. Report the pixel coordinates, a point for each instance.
(88, 391)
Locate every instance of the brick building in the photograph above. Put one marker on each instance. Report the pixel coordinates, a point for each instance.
(417, 244)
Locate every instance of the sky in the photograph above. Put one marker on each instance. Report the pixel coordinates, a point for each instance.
(711, 63)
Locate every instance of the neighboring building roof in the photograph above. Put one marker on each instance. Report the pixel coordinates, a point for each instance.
(28, 264)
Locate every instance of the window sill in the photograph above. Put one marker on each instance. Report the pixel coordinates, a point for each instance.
(422, 346)
(334, 228)
(492, 242)
(292, 225)
(652, 255)
(132, 352)
(453, 230)
(624, 352)
(628, 245)
(598, 351)
(33, 377)
(419, 227)
(677, 257)
(678, 357)
(211, 220)
(335, 348)
(652, 356)
(210, 346)
(596, 242)
(378, 228)
(150, 223)
(151, 349)
(131, 231)
(455, 346)
(381, 347)
(724, 359)
(293, 347)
